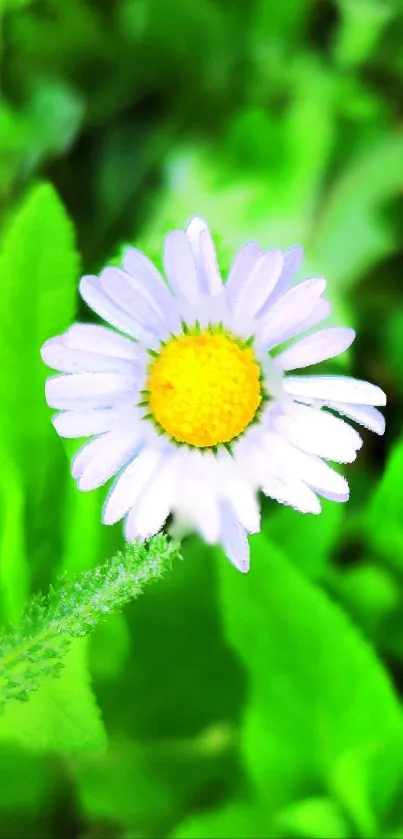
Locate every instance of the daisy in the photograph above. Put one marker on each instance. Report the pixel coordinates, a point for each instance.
(189, 399)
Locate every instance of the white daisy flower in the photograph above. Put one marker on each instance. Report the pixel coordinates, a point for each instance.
(191, 403)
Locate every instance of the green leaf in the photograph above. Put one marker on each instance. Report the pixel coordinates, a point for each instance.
(14, 570)
(38, 267)
(110, 647)
(177, 628)
(392, 341)
(86, 541)
(355, 205)
(319, 699)
(10, 5)
(17, 763)
(14, 136)
(173, 708)
(384, 519)
(35, 647)
(55, 112)
(361, 27)
(237, 820)
(123, 785)
(294, 532)
(314, 818)
(369, 592)
(62, 716)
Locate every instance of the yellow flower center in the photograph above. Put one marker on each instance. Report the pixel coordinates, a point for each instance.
(204, 389)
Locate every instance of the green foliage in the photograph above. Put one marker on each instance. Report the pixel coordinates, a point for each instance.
(366, 184)
(35, 648)
(62, 716)
(313, 818)
(362, 24)
(39, 269)
(385, 511)
(286, 528)
(14, 572)
(240, 821)
(217, 705)
(322, 713)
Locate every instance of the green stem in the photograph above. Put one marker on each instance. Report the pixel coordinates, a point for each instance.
(35, 648)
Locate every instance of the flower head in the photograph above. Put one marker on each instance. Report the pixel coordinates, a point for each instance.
(190, 403)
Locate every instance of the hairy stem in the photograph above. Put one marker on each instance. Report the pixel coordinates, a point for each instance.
(35, 648)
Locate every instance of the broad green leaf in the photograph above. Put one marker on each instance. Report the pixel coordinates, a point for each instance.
(54, 112)
(36, 770)
(62, 716)
(38, 267)
(361, 26)
(384, 520)
(314, 818)
(124, 785)
(237, 820)
(172, 708)
(14, 136)
(14, 569)
(86, 541)
(305, 540)
(181, 676)
(319, 699)
(10, 5)
(352, 235)
(392, 341)
(110, 647)
(369, 592)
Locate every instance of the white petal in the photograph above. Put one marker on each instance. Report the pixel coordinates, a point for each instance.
(128, 293)
(96, 298)
(88, 452)
(148, 515)
(204, 255)
(247, 452)
(241, 269)
(259, 285)
(101, 340)
(311, 470)
(335, 388)
(275, 478)
(321, 345)
(206, 514)
(318, 432)
(365, 415)
(180, 266)
(287, 489)
(130, 484)
(239, 492)
(197, 494)
(56, 354)
(338, 497)
(217, 309)
(84, 423)
(140, 267)
(84, 391)
(293, 258)
(188, 312)
(234, 538)
(100, 459)
(294, 312)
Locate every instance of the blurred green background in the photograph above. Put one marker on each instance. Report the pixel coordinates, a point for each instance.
(217, 705)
